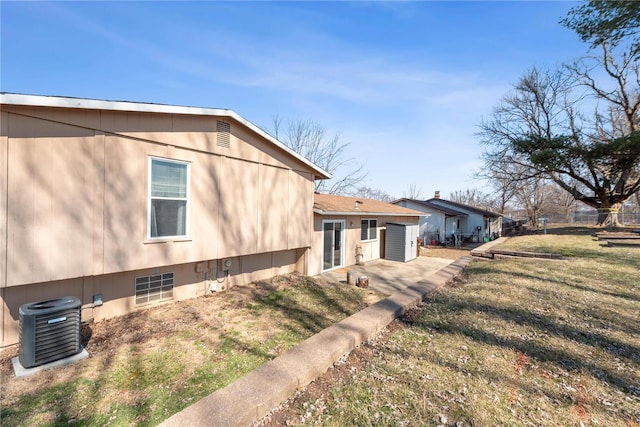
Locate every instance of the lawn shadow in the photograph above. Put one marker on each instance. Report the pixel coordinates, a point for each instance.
(609, 318)
(488, 269)
(342, 301)
(563, 358)
(557, 397)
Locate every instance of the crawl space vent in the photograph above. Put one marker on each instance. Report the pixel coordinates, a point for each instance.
(224, 134)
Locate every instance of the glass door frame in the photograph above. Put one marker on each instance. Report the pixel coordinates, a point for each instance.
(343, 223)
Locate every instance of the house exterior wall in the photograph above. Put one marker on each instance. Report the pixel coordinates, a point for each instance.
(451, 226)
(371, 249)
(73, 220)
(432, 225)
(495, 227)
(191, 280)
(474, 220)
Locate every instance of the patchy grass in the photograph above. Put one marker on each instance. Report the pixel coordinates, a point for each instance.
(148, 365)
(512, 342)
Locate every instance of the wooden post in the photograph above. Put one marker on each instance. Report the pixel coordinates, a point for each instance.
(352, 277)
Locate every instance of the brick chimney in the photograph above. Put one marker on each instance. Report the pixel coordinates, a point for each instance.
(437, 196)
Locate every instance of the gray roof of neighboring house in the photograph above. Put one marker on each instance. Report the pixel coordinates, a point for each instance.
(443, 209)
(145, 107)
(454, 205)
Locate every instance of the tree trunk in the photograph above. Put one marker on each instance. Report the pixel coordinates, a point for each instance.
(608, 217)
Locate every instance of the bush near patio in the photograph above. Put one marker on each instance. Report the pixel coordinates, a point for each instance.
(511, 342)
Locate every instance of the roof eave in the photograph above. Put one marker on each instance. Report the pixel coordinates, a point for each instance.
(433, 206)
(479, 211)
(339, 213)
(97, 104)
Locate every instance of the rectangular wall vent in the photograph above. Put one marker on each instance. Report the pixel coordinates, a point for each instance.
(157, 287)
(224, 134)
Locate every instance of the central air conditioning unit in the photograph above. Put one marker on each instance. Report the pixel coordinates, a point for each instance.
(49, 331)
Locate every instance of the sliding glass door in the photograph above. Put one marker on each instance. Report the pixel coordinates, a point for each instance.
(333, 238)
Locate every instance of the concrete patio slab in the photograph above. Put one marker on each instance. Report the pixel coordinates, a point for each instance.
(389, 277)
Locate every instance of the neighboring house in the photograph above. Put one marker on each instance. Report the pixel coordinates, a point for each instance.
(132, 204)
(438, 223)
(351, 229)
(452, 221)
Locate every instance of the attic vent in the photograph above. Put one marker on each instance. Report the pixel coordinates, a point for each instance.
(224, 134)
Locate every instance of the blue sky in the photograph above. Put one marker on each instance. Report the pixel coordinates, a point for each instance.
(404, 83)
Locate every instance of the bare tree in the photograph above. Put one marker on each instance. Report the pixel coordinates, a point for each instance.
(372, 193)
(530, 197)
(558, 202)
(413, 192)
(310, 139)
(504, 193)
(542, 130)
(473, 197)
(511, 188)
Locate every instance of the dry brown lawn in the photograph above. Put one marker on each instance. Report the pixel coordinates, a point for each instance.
(511, 342)
(147, 365)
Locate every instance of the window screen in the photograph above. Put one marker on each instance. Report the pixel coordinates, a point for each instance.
(368, 229)
(169, 197)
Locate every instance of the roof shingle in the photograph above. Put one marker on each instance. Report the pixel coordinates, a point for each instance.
(327, 204)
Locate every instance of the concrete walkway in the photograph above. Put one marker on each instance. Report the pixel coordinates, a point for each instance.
(253, 396)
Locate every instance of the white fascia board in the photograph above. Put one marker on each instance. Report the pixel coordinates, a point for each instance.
(321, 212)
(139, 107)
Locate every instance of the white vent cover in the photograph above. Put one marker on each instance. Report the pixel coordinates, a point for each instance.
(223, 130)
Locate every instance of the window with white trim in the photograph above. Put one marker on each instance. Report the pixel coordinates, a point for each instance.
(368, 229)
(168, 198)
(156, 287)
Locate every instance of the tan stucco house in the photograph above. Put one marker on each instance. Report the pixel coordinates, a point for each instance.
(347, 230)
(124, 205)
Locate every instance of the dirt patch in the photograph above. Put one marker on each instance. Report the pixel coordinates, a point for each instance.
(446, 252)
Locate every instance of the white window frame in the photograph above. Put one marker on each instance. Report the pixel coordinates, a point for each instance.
(369, 239)
(150, 198)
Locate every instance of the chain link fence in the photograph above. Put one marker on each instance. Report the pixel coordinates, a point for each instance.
(591, 218)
